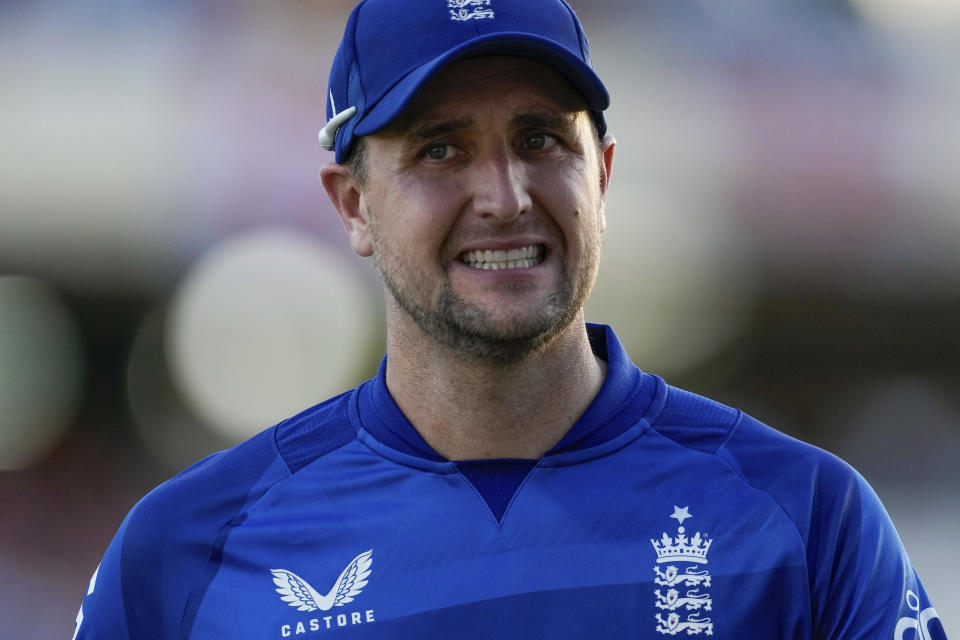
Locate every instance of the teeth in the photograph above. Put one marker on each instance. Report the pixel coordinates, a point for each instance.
(510, 264)
(522, 258)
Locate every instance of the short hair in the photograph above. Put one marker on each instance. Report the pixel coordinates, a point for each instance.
(356, 160)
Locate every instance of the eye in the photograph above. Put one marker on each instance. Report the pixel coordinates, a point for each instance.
(440, 151)
(539, 141)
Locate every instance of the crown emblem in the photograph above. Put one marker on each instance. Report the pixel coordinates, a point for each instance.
(682, 548)
(685, 592)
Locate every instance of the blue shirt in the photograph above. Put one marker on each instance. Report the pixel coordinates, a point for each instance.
(660, 513)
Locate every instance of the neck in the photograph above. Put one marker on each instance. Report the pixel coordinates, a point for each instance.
(469, 410)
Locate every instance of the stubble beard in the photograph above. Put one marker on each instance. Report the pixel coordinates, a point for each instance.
(471, 331)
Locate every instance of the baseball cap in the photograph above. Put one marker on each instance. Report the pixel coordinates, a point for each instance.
(390, 48)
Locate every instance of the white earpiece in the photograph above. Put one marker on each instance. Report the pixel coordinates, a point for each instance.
(328, 135)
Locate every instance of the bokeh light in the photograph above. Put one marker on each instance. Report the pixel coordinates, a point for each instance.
(164, 422)
(921, 18)
(267, 324)
(674, 281)
(41, 370)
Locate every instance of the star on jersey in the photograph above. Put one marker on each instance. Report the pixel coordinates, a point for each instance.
(681, 514)
(297, 592)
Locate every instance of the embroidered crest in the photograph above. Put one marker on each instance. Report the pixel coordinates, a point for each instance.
(683, 588)
(463, 10)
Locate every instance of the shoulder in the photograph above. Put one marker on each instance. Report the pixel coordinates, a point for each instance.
(860, 577)
(316, 432)
(806, 481)
(693, 421)
(206, 495)
(174, 535)
(699, 423)
(165, 544)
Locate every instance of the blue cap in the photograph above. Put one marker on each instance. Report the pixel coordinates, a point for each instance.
(390, 48)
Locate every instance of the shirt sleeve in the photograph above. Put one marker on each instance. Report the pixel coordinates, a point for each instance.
(154, 574)
(864, 586)
(102, 615)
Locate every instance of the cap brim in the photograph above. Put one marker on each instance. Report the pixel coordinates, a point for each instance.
(525, 45)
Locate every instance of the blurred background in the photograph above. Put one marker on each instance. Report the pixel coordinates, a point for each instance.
(783, 233)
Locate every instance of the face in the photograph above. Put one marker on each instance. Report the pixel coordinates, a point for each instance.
(483, 206)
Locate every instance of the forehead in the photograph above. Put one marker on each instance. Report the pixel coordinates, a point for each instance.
(506, 80)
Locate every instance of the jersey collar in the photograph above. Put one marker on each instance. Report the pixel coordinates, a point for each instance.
(625, 397)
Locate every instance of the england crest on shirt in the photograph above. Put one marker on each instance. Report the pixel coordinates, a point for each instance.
(680, 572)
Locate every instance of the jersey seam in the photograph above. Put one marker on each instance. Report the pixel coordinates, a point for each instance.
(276, 448)
(637, 388)
(290, 471)
(408, 460)
(763, 491)
(658, 402)
(232, 522)
(211, 549)
(777, 502)
(733, 430)
(743, 478)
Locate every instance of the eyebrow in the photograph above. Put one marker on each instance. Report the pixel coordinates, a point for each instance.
(551, 121)
(431, 130)
(434, 129)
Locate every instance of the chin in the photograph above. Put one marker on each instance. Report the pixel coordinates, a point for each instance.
(476, 334)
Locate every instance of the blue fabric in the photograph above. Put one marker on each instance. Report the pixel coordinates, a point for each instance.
(166, 550)
(626, 394)
(695, 519)
(496, 480)
(382, 418)
(314, 432)
(696, 422)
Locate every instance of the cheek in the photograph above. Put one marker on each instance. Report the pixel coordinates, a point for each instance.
(583, 226)
(415, 217)
(571, 199)
(429, 206)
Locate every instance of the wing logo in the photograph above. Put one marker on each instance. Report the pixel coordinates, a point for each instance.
(297, 592)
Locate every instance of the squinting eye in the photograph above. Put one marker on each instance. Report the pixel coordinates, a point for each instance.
(439, 151)
(540, 141)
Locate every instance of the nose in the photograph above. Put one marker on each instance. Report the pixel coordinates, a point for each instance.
(500, 187)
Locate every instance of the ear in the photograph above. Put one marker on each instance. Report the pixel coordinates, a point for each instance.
(344, 192)
(606, 169)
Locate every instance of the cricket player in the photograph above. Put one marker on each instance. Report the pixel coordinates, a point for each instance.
(508, 472)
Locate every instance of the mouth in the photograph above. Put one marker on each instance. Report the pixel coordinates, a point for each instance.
(520, 258)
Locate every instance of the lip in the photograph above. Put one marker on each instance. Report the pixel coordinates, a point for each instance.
(500, 244)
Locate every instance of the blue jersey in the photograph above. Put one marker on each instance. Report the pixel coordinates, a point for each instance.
(660, 513)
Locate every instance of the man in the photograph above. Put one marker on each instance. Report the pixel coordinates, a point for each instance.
(508, 473)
